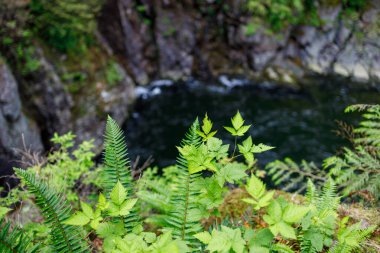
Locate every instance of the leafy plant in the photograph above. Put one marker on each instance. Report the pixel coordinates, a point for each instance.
(187, 201)
(14, 240)
(355, 170)
(54, 208)
(117, 168)
(358, 169)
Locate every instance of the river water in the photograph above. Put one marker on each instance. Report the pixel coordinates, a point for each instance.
(299, 123)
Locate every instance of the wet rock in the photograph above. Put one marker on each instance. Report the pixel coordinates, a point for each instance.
(130, 36)
(114, 101)
(46, 97)
(176, 38)
(17, 131)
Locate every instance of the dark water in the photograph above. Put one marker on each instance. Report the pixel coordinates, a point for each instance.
(300, 124)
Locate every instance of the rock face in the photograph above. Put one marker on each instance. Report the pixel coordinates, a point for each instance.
(188, 40)
(150, 39)
(17, 131)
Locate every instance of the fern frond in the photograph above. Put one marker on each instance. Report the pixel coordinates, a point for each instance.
(356, 170)
(117, 167)
(328, 199)
(116, 160)
(14, 240)
(351, 238)
(293, 177)
(55, 210)
(184, 217)
(369, 128)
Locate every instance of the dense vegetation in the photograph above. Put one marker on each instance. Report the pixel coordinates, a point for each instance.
(212, 200)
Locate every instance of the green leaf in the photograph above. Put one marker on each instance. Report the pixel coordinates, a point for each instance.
(204, 237)
(78, 219)
(242, 130)
(3, 211)
(87, 210)
(127, 206)
(207, 125)
(102, 202)
(231, 173)
(231, 130)
(262, 237)
(260, 148)
(286, 230)
(118, 194)
(237, 121)
(274, 211)
(109, 229)
(294, 213)
(214, 144)
(255, 187)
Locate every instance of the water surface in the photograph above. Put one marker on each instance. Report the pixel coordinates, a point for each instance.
(299, 123)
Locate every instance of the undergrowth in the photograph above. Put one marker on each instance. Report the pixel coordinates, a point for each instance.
(212, 200)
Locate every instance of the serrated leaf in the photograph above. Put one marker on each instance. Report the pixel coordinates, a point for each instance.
(237, 121)
(294, 213)
(275, 211)
(231, 130)
(286, 230)
(204, 237)
(265, 201)
(87, 210)
(78, 219)
(261, 237)
(207, 125)
(242, 130)
(255, 187)
(102, 202)
(214, 144)
(118, 194)
(127, 206)
(260, 148)
(231, 173)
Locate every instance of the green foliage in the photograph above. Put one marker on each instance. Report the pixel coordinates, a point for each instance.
(369, 127)
(184, 217)
(206, 132)
(318, 226)
(358, 169)
(186, 205)
(54, 208)
(65, 25)
(293, 177)
(65, 167)
(279, 14)
(258, 196)
(247, 149)
(350, 238)
(224, 240)
(113, 75)
(117, 169)
(238, 128)
(354, 170)
(14, 240)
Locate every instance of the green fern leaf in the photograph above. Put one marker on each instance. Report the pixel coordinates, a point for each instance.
(14, 240)
(55, 209)
(184, 218)
(117, 168)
